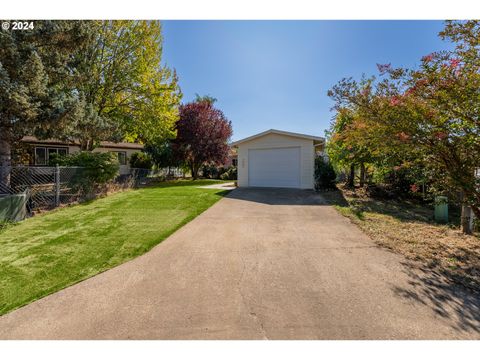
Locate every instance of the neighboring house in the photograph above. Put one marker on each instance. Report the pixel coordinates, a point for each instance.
(40, 150)
(276, 158)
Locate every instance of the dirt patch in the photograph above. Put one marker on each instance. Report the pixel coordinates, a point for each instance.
(408, 228)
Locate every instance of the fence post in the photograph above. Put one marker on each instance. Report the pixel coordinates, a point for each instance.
(57, 185)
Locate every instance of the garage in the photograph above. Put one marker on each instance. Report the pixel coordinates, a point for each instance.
(276, 158)
(278, 167)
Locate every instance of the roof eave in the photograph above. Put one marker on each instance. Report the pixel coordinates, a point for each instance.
(279, 132)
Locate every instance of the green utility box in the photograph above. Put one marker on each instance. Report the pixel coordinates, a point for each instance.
(441, 209)
(13, 207)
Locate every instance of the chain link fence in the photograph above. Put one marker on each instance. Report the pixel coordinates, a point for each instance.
(26, 189)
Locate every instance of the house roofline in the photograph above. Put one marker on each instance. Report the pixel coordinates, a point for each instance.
(317, 139)
(103, 144)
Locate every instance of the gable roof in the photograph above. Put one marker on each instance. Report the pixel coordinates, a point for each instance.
(317, 139)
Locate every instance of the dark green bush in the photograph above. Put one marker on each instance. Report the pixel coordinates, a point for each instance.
(141, 160)
(95, 168)
(324, 174)
(398, 181)
(403, 181)
(224, 173)
(210, 172)
(56, 159)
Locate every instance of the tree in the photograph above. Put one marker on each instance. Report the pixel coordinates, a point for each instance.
(350, 138)
(442, 97)
(85, 81)
(162, 154)
(37, 94)
(426, 117)
(338, 148)
(210, 99)
(202, 135)
(125, 93)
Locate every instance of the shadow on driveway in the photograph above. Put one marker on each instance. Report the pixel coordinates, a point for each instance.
(430, 288)
(277, 196)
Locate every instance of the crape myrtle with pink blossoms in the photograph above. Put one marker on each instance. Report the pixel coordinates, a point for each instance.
(423, 123)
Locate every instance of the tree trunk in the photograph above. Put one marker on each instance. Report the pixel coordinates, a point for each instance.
(5, 160)
(469, 212)
(467, 219)
(351, 177)
(194, 171)
(362, 174)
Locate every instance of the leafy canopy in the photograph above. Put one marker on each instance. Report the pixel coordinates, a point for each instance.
(203, 133)
(426, 118)
(125, 93)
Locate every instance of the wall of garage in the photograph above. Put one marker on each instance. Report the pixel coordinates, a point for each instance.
(271, 141)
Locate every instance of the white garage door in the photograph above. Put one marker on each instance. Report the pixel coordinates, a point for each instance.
(278, 167)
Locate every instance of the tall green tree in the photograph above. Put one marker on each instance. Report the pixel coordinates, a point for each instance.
(125, 93)
(37, 81)
(352, 140)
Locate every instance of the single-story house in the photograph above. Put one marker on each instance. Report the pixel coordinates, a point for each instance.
(276, 158)
(40, 150)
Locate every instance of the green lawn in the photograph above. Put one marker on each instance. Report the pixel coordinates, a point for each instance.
(51, 251)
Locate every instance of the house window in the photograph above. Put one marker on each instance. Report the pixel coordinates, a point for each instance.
(40, 156)
(122, 157)
(234, 162)
(43, 154)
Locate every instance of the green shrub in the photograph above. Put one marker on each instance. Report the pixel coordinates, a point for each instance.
(210, 172)
(141, 160)
(403, 181)
(223, 173)
(229, 174)
(324, 174)
(96, 168)
(55, 159)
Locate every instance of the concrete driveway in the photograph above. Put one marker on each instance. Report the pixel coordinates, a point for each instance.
(259, 264)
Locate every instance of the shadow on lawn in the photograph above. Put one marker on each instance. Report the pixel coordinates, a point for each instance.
(448, 300)
(405, 210)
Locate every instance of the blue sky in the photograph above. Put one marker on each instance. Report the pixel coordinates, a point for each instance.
(276, 74)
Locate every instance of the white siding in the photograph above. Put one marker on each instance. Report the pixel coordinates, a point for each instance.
(272, 141)
(73, 149)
